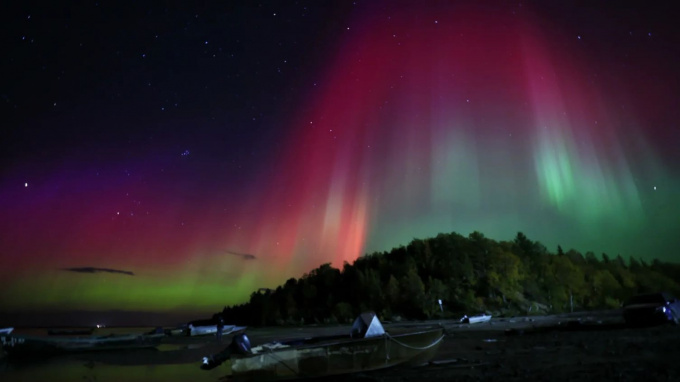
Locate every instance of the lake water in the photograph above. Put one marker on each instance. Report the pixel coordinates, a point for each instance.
(167, 363)
(176, 359)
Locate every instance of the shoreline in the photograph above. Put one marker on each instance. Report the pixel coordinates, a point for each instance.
(584, 346)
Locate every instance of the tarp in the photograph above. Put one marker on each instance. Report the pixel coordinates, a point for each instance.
(367, 325)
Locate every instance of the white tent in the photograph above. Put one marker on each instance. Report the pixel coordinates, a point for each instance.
(367, 325)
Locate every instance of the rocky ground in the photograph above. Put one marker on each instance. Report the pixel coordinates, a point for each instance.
(577, 347)
(568, 348)
(595, 346)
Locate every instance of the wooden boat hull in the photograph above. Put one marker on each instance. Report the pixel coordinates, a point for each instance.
(338, 357)
(32, 346)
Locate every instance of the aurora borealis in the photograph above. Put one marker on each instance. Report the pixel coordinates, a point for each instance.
(168, 160)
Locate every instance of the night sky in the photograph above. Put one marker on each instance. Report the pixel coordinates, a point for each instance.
(178, 157)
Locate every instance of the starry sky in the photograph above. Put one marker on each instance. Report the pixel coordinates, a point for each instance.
(177, 157)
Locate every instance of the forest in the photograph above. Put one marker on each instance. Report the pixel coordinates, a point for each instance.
(469, 275)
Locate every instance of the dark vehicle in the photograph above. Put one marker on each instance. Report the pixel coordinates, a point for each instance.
(652, 308)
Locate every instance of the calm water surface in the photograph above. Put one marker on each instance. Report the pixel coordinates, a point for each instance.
(176, 359)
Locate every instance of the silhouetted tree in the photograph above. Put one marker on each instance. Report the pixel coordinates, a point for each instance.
(469, 274)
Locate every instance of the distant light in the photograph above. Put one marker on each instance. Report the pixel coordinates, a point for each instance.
(654, 188)
(578, 37)
(26, 185)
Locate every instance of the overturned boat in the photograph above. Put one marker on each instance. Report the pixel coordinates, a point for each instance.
(368, 347)
(476, 319)
(35, 345)
(209, 327)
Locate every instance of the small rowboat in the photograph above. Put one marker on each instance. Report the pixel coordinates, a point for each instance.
(475, 319)
(366, 349)
(207, 330)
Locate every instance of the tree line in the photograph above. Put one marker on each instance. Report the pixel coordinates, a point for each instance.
(469, 275)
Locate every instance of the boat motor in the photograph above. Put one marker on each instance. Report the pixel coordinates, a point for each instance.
(240, 344)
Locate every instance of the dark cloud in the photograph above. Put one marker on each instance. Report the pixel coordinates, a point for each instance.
(97, 270)
(245, 256)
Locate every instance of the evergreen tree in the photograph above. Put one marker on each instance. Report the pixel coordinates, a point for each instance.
(469, 274)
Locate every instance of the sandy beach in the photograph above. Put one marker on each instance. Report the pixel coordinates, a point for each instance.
(576, 347)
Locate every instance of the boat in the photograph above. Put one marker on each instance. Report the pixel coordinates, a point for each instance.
(209, 327)
(368, 347)
(475, 319)
(5, 331)
(35, 345)
(180, 330)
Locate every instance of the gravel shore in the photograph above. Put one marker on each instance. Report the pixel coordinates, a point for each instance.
(575, 347)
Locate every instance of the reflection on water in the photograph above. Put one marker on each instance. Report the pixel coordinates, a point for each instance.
(177, 360)
(75, 370)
